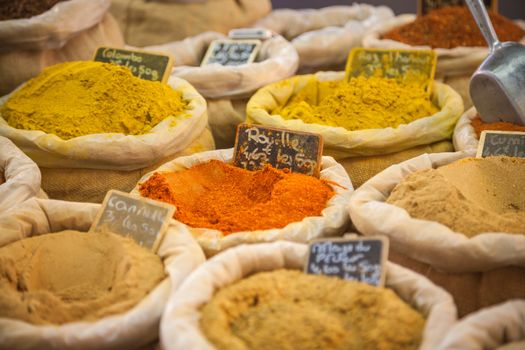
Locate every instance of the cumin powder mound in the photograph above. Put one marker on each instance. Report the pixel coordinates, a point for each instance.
(223, 197)
(72, 276)
(287, 309)
(470, 196)
(480, 126)
(452, 26)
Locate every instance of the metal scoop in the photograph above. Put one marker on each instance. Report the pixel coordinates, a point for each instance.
(497, 88)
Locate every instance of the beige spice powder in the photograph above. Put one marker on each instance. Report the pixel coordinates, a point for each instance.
(72, 276)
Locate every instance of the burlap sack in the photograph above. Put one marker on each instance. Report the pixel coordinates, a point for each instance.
(490, 328)
(227, 87)
(180, 324)
(129, 330)
(341, 143)
(153, 22)
(332, 222)
(70, 31)
(19, 176)
(465, 137)
(454, 66)
(478, 271)
(323, 37)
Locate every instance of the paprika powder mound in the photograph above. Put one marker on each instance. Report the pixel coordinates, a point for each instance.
(451, 27)
(479, 126)
(223, 197)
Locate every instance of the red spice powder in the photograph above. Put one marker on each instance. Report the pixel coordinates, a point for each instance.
(479, 126)
(452, 26)
(220, 196)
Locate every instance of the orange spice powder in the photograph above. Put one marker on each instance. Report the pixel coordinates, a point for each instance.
(480, 126)
(223, 197)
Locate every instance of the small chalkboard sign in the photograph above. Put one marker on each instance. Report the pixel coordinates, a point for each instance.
(256, 146)
(145, 65)
(404, 65)
(231, 52)
(501, 143)
(145, 220)
(355, 258)
(425, 6)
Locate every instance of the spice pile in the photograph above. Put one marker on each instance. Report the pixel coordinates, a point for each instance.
(223, 197)
(71, 276)
(361, 103)
(471, 196)
(287, 309)
(80, 98)
(452, 26)
(479, 126)
(15, 9)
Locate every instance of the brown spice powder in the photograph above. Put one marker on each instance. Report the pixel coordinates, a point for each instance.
(16, 9)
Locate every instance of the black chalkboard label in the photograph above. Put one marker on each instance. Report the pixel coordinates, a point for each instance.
(231, 52)
(256, 146)
(145, 65)
(404, 65)
(357, 259)
(144, 220)
(425, 6)
(501, 143)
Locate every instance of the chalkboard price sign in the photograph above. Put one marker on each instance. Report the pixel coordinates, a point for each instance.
(145, 220)
(501, 143)
(357, 259)
(144, 65)
(256, 146)
(231, 52)
(404, 65)
(425, 6)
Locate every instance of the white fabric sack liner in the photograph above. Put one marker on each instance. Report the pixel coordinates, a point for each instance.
(276, 60)
(456, 61)
(346, 143)
(115, 150)
(465, 137)
(22, 176)
(333, 220)
(428, 241)
(180, 324)
(129, 330)
(324, 37)
(488, 328)
(53, 28)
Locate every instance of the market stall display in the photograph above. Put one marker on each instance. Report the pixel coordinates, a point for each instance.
(468, 261)
(323, 37)
(19, 176)
(309, 317)
(76, 276)
(227, 88)
(250, 207)
(453, 34)
(36, 35)
(82, 157)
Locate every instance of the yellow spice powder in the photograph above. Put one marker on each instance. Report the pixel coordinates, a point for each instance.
(361, 103)
(72, 276)
(79, 98)
(287, 309)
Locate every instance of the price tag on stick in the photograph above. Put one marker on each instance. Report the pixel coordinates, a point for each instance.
(425, 6)
(143, 219)
(354, 258)
(418, 66)
(231, 52)
(501, 143)
(256, 146)
(145, 65)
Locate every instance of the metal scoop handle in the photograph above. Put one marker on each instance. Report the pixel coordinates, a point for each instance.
(481, 16)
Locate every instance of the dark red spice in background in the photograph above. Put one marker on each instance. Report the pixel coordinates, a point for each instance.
(16, 9)
(450, 27)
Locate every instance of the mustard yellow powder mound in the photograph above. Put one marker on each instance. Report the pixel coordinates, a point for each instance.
(361, 103)
(81, 98)
(287, 309)
(470, 196)
(74, 276)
